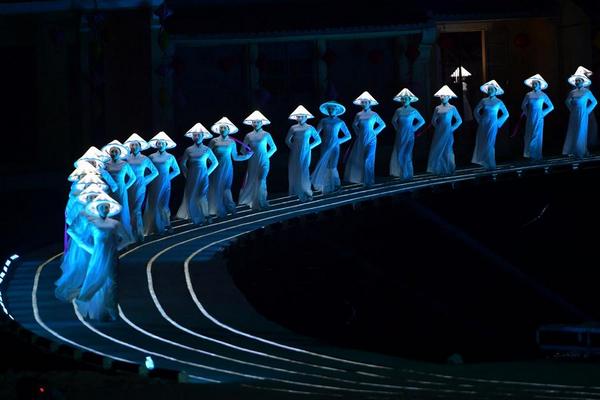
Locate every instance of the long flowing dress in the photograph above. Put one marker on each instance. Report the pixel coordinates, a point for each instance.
(98, 295)
(220, 199)
(533, 108)
(157, 215)
(401, 164)
(124, 176)
(194, 166)
(361, 162)
(137, 192)
(254, 189)
(299, 162)
(75, 259)
(441, 154)
(325, 176)
(580, 102)
(486, 114)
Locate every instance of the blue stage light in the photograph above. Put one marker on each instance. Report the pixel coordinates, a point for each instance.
(149, 363)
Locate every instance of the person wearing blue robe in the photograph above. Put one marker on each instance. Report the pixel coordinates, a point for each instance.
(220, 199)
(367, 124)
(406, 121)
(325, 177)
(197, 164)
(301, 139)
(75, 259)
(445, 121)
(97, 298)
(262, 147)
(581, 103)
(157, 215)
(140, 164)
(490, 114)
(123, 174)
(535, 106)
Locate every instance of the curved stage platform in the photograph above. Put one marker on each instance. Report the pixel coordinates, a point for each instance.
(179, 305)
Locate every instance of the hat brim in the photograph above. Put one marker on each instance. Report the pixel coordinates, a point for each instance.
(586, 81)
(412, 98)
(232, 128)
(295, 117)
(250, 121)
(124, 151)
(358, 102)
(92, 207)
(339, 109)
(143, 144)
(170, 144)
(98, 160)
(73, 177)
(484, 89)
(529, 82)
(82, 186)
(205, 135)
(82, 198)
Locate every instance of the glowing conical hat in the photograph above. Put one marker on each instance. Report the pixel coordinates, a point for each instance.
(365, 96)
(103, 198)
(93, 153)
(223, 121)
(256, 116)
(200, 129)
(92, 190)
(460, 71)
(484, 88)
(583, 71)
(536, 77)
(123, 150)
(406, 93)
(338, 108)
(90, 179)
(83, 169)
(445, 91)
(162, 136)
(583, 74)
(137, 138)
(299, 111)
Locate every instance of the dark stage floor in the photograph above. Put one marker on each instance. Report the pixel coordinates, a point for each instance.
(179, 304)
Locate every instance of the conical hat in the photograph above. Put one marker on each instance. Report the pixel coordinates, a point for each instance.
(162, 136)
(299, 111)
(137, 138)
(406, 93)
(102, 198)
(460, 71)
(485, 86)
(338, 108)
(445, 91)
(92, 190)
(365, 96)
(583, 71)
(90, 179)
(536, 77)
(224, 121)
(83, 169)
(200, 129)
(256, 116)
(123, 150)
(93, 153)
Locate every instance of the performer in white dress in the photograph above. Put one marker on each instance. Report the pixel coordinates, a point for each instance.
(406, 121)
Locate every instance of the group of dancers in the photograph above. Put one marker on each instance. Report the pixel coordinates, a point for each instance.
(121, 182)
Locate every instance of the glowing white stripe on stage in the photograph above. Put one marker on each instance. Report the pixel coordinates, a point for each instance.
(451, 377)
(36, 315)
(227, 344)
(224, 371)
(177, 344)
(564, 392)
(152, 353)
(203, 379)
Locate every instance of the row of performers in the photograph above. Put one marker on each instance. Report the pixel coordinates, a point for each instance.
(115, 180)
